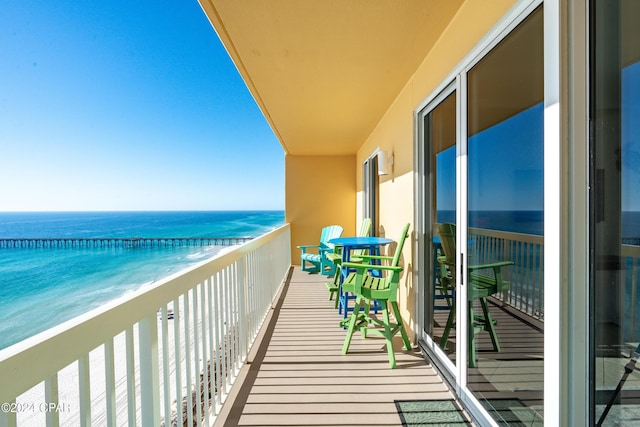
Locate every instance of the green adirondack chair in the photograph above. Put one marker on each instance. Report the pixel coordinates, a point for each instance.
(312, 257)
(368, 288)
(336, 258)
(481, 285)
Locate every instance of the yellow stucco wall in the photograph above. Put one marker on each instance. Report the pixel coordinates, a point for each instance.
(394, 133)
(319, 191)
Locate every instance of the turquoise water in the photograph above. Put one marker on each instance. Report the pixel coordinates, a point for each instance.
(43, 287)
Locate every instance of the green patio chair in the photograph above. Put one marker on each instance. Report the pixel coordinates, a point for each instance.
(336, 258)
(484, 281)
(384, 290)
(312, 257)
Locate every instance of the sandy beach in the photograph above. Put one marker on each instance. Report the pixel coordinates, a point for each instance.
(33, 406)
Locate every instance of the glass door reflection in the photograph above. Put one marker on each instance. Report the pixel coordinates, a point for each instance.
(504, 289)
(615, 213)
(440, 137)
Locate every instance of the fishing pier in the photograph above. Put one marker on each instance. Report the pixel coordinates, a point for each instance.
(116, 242)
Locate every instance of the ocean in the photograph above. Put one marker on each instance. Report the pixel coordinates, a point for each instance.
(527, 222)
(532, 222)
(43, 287)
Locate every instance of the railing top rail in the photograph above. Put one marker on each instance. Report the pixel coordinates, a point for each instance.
(65, 343)
(508, 235)
(631, 251)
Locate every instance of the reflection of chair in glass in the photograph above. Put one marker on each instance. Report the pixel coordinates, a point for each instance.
(317, 260)
(484, 280)
(443, 289)
(336, 258)
(368, 288)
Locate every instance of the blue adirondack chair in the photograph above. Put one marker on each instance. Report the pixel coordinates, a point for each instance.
(313, 257)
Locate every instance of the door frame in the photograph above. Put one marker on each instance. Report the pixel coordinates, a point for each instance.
(423, 220)
(456, 374)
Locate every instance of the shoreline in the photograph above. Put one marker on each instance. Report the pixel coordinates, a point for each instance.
(68, 379)
(75, 297)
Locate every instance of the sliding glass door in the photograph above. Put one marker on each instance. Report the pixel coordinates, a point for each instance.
(481, 245)
(615, 213)
(504, 238)
(438, 130)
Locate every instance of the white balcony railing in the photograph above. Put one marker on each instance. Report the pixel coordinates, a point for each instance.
(526, 276)
(629, 279)
(169, 352)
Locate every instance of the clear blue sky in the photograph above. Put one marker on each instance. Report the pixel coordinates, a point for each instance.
(514, 180)
(631, 137)
(127, 105)
(505, 166)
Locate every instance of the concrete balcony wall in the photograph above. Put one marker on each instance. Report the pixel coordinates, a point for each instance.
(319, 191)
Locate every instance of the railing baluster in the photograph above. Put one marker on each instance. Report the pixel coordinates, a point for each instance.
(50, 398)
(495, 249)
(515, 284)
(634, 282)
(242, 306)
(526, 278)
(149, 375)
(84, 385)
(539, 281)
(197, 355)
(524, 265)
(259, 292)
(166, 379)
(522, 277)
(131, 376)
(187, 353)
(212, 345)
(524, 287)
(248, 298)
(178, 359)
(234, 317)
(237, 319)
(228, 333)
(532, 301)
(217, 301)
(110, 382)
(623, 280)
(206, 349)
(249, 291)
(233, 333)
(227, 327)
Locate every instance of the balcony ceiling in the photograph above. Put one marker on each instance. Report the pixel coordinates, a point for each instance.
(325, 72)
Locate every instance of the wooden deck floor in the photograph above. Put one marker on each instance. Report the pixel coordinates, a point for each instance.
(508, 383)
(298, 376)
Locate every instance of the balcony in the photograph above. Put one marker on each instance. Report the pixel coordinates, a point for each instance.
(248, 331)
(298, 375)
